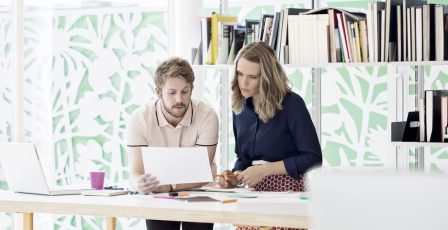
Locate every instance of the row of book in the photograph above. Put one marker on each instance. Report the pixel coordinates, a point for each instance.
(428, 124)
(395, 30)
(433, 116)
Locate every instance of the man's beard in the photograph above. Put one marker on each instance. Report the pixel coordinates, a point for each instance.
(178, 110)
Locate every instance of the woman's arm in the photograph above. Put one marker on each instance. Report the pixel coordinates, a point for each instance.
(305, 138)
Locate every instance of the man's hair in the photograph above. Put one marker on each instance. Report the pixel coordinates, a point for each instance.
(274, 84)
(173, 67)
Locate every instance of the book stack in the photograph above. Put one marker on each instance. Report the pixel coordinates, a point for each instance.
(394, 30)
(435, 125)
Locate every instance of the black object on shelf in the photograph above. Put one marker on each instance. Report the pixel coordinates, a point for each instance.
(411, 131)
(406, 131)
(397, 130)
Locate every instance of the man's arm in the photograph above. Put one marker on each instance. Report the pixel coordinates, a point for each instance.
(136, 165)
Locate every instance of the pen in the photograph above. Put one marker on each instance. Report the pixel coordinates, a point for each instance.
(229, 201)
(221, 175)
(163, 197)
(113, 188)
(178, 194)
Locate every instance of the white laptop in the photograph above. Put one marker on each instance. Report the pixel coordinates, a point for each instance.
(23, 171)
(354, 201)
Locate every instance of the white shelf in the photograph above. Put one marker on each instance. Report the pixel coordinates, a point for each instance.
(419, 63)
(420, 144)
(336, 65)
(217, 67)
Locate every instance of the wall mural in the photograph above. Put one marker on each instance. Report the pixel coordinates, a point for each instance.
(80, 94)
(354, 117)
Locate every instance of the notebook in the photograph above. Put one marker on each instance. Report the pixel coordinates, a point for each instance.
(197, 199)
(23, 171)
(104, 192)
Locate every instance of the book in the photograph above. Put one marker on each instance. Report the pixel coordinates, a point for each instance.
(329, 24)
(412, 129)
(445, 37)
(434, 112)
(217, 21)
(238, 40)
(444, 118)
(421, 118)
(197, 199)
(224, 44)
(267, 28)
(342, 35)
(335, 55)
(377, 8)
(274, 31)
(440, 11)
(284, 34)
(250, 30)
(265, 19)
(406, 40)
(418, 35)
(413, 35)
(104, 192)
(363, 41)
(312, 45)
(399, 34)
(205, 37)
(428, 113)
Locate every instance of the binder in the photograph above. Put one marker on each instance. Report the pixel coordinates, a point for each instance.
(412, 129)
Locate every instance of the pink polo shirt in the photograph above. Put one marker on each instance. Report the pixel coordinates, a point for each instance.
(148, 126)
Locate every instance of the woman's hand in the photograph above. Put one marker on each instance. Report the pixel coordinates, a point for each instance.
(252, 175)
(147, 183)
(228, 180)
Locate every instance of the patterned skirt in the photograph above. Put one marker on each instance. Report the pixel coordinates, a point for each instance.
(277, 183)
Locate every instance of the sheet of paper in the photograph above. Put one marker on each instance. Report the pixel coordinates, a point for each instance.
(177, 165)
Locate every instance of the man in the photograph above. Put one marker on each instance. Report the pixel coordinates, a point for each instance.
(173, 120)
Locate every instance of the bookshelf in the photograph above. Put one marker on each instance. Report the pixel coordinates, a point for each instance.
(419, 144)
(405, 85)
(408, 100)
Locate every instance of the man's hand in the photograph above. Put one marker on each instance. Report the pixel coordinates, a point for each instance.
(147, 183)
(162, 189)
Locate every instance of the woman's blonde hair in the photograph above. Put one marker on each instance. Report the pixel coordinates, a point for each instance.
(274, 84)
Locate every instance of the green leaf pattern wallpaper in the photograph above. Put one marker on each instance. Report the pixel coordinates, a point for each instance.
(354, 117)
(79, 95)
(5, 72)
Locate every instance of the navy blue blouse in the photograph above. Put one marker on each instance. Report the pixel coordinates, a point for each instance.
(289, 136)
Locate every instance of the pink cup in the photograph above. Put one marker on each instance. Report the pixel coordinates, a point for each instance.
(97, 180)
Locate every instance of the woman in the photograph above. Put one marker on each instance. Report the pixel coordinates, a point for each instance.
(275, 139)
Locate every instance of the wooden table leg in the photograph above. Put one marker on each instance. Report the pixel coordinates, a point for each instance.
(23, 220)
(110, 223)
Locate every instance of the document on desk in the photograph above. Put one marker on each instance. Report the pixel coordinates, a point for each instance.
(177, 165)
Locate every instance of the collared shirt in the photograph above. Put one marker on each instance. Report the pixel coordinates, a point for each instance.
(148, 126)
(289, 136)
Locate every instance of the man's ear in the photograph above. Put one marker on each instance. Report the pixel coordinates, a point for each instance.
(159, 92)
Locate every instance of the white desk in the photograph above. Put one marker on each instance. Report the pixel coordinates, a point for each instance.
(274, 210)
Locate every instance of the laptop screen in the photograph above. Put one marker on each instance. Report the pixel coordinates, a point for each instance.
(21, 166)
